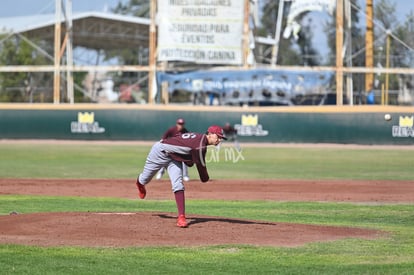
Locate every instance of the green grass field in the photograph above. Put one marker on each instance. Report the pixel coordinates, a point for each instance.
(389, 255)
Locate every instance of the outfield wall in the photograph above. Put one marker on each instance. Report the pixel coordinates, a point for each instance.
(310, 124)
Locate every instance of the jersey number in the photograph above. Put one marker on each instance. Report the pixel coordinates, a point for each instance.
(188, 135)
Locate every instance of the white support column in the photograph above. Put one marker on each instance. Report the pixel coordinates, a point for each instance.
(152, 54)
(56, 79)
(348, 56)
(275, 49)
(339, 59)
(69, 53)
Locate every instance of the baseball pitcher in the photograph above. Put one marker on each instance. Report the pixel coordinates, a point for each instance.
(189, 148)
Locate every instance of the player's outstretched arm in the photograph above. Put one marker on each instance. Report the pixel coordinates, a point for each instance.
(202, 172)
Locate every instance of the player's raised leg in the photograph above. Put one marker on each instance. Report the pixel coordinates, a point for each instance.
(156, 159)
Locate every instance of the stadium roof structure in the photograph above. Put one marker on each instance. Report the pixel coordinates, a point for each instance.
(91, 30)
(94, 30)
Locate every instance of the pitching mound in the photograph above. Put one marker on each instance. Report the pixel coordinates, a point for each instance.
(158, 229)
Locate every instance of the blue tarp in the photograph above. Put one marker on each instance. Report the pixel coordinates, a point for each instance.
(245, 87)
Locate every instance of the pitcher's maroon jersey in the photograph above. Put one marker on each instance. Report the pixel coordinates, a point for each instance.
(189, 148)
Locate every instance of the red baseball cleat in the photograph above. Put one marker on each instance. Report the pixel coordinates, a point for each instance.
(181, 222)
(141, 190)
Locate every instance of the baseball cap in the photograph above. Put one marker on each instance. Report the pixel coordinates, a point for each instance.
(180, 121)
(214, 129)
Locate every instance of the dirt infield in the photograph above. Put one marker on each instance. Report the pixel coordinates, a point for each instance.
(156, 228)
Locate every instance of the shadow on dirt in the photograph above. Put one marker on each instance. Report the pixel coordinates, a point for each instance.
(196, 220)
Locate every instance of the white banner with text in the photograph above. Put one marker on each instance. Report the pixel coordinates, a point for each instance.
(200, 31)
